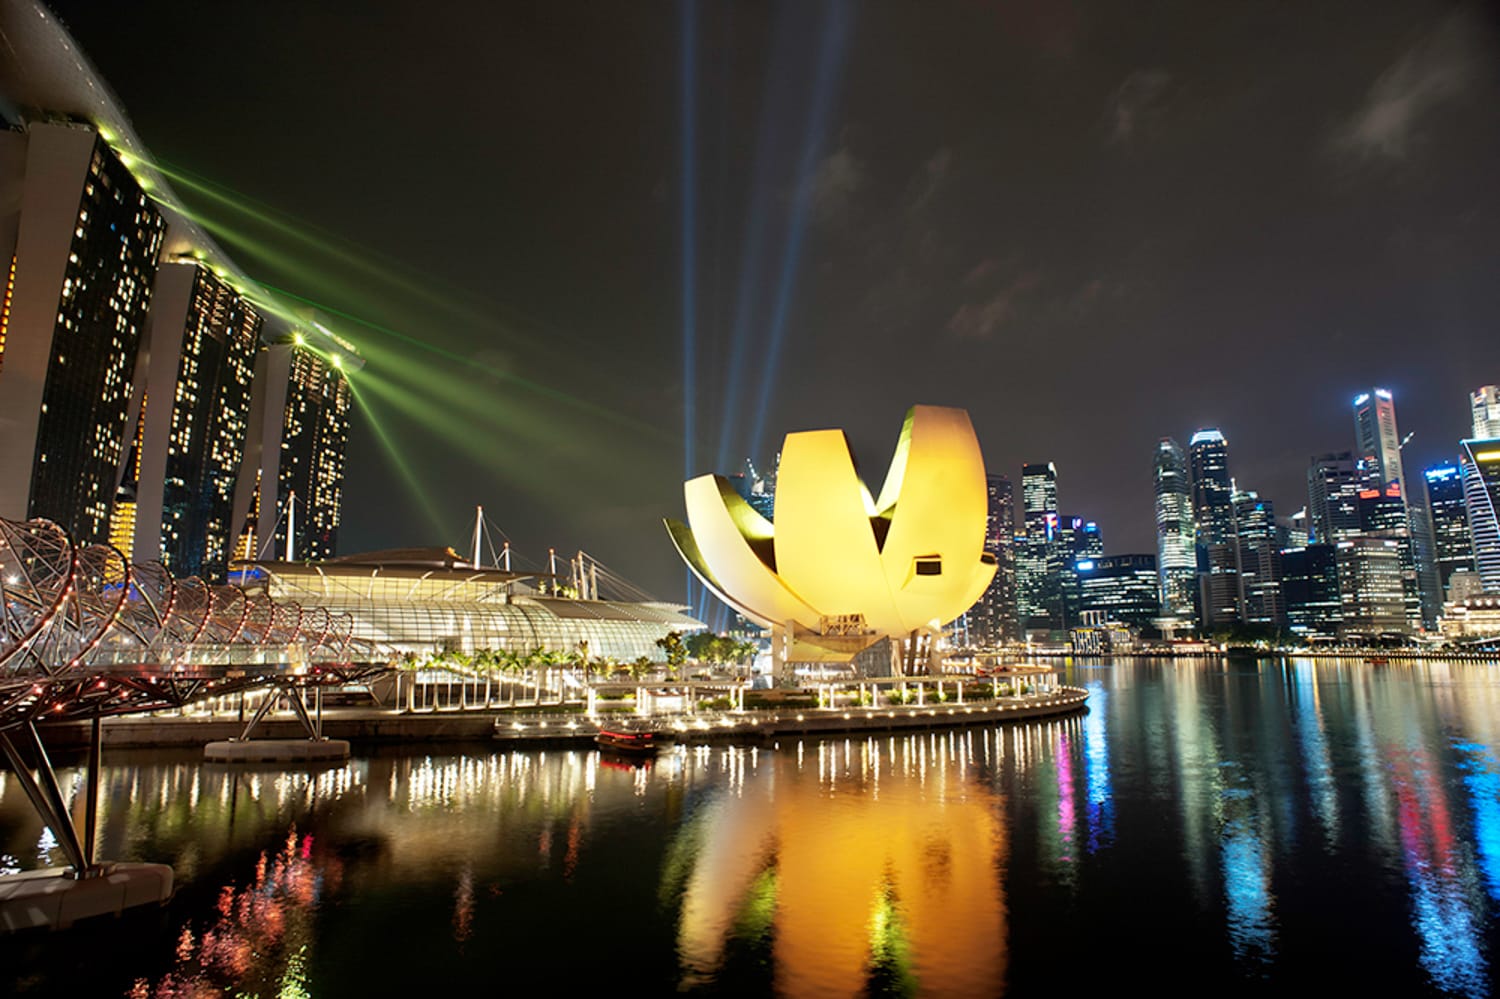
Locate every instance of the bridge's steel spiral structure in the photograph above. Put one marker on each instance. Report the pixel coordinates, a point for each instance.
(86, 634)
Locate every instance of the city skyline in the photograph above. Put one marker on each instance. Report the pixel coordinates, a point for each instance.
(1344, 242)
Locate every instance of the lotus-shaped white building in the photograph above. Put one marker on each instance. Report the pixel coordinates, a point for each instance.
(839, 570)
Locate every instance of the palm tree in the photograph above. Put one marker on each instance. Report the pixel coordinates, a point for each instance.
(485, 663)
(676, 650)
(408, 662)
(535, 660)
(511, 663)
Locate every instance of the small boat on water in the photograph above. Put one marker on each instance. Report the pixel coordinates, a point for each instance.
(633, 741)
(1377, 660)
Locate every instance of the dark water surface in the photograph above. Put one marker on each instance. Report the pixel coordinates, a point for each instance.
(1207, 828)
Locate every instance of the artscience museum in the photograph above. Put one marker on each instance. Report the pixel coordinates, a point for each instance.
(837, 569)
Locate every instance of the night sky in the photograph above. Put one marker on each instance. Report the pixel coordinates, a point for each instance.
(1090, 224)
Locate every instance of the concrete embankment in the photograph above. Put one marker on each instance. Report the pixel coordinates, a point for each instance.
(366, 726)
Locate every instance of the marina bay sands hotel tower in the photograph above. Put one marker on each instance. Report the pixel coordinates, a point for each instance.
(147, 397)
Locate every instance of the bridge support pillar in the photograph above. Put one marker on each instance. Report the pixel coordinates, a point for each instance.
(46, 797)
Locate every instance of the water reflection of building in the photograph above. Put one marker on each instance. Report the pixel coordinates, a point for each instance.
(858, 874)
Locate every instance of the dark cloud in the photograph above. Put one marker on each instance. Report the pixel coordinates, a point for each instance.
(1137, 105)
(983, 320)
(1438, 67)
(835, 184)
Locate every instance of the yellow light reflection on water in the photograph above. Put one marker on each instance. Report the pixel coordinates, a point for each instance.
(857, 888)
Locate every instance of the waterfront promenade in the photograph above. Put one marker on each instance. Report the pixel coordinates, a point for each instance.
(373, 726)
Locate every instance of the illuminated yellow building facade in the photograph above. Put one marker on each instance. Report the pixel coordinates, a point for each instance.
(838, 569)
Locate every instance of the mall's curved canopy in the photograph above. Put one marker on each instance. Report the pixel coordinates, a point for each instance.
(428, 600)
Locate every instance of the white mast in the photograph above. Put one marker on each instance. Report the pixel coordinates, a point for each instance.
(506, 556)
(291, 525)
(478, 527)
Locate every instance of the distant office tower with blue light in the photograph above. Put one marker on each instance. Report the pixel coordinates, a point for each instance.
(1481, 475)
(1121, 587)
(1213, 516)
(1078, 540)
(1377, 443)
(761, 489)
(1176, 555)
(1453, 547)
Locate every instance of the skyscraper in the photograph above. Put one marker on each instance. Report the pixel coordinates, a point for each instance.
(1383, 516)
(83, 240)
(1481, 474)
(1372, 594)
(1377, 444)
(131, 361)
(1078, 540)
(1453, 548)
(1310, 590)
(1333, 497)
(994, 618)
(1213, 494)
(1485, 403)
(195, 420)
(1378, 449)
(1122, 587)
(1176, 558)
(1423, 554)
(304, 431)
(1259, 560)
(1039, 560)
(760, 490)
(1213, 515)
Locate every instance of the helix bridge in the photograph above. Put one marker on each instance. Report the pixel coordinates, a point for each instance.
(86, 635)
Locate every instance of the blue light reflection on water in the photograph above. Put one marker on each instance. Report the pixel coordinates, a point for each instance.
(1313, 742)
(1247, 880)
(1444, 887)
(1101, 805)
(1482, 778)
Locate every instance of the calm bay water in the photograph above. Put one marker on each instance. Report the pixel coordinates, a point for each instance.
(1232, 826)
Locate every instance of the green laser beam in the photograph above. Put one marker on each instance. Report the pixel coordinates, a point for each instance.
(298, 227)
(495, 453)
(390, 271)
(540, 389)
(394, 456)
